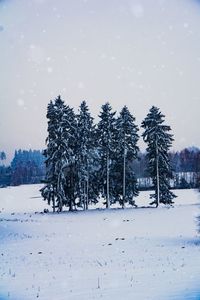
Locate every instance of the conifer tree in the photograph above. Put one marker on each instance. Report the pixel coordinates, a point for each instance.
(85, 152)
(50, 191)
(59, 188)
(159, 140)
(106, 147)
(94, 186)
(69, 174)
(126, 152)
(2, 156)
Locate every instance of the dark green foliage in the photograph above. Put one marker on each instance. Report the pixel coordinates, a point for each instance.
(124, 180)
(69, 172)
(116, 185)
(60, 156)
(70, 157)
(5, 176)
(105, 136)
(85, 157)
(2, 156)
(5, 172)
(159, 141)
(84, 162)
(183, 184)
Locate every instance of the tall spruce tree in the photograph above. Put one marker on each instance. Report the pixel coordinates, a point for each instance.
(59, 188)
(69, 173)
(85, 153)
(51, 191)
(94, 186)
(125, 182)
(106, 148)
(2, 156)
(159, 140)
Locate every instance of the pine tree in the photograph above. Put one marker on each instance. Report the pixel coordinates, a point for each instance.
(85, 153)
(59, 154)
(94, 186)
(54, 114)
(69, 175)
(125, 182)
(2, 156)
(106, 137)
(159, 141)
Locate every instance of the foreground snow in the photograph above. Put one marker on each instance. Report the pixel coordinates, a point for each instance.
(142, 253)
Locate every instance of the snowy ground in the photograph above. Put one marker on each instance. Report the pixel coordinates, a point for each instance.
(142, 253)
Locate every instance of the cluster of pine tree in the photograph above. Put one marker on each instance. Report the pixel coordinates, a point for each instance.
(86, 161)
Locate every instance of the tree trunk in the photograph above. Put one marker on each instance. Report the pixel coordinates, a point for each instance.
(87, 191)
(124, 179)
(157, 176)
(60, 202)
(107, 184)
(53, 200)
(71, 192)
(84, 196)
(70, 206)
(60, 208)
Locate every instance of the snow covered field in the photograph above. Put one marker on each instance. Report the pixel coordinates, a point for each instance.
(142, 253)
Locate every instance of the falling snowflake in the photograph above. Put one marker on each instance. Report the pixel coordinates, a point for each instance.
(137, 10)
(81, 85)
(49, 69)
(20, 102)
(36, 54)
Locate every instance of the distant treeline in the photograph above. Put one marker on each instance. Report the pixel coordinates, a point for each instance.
(27, 167)
(185, 165)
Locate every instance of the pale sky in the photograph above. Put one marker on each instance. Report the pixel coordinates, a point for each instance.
(137, 53)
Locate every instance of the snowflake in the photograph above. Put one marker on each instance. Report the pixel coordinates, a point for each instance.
(81, 85)
(49, 69)
(36, 54)
(137, 10)
(20, 102)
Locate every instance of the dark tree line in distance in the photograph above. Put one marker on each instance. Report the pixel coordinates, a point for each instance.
(27, 167)
(185, 165)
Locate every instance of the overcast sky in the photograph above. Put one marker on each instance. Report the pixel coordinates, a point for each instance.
(137, 53)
